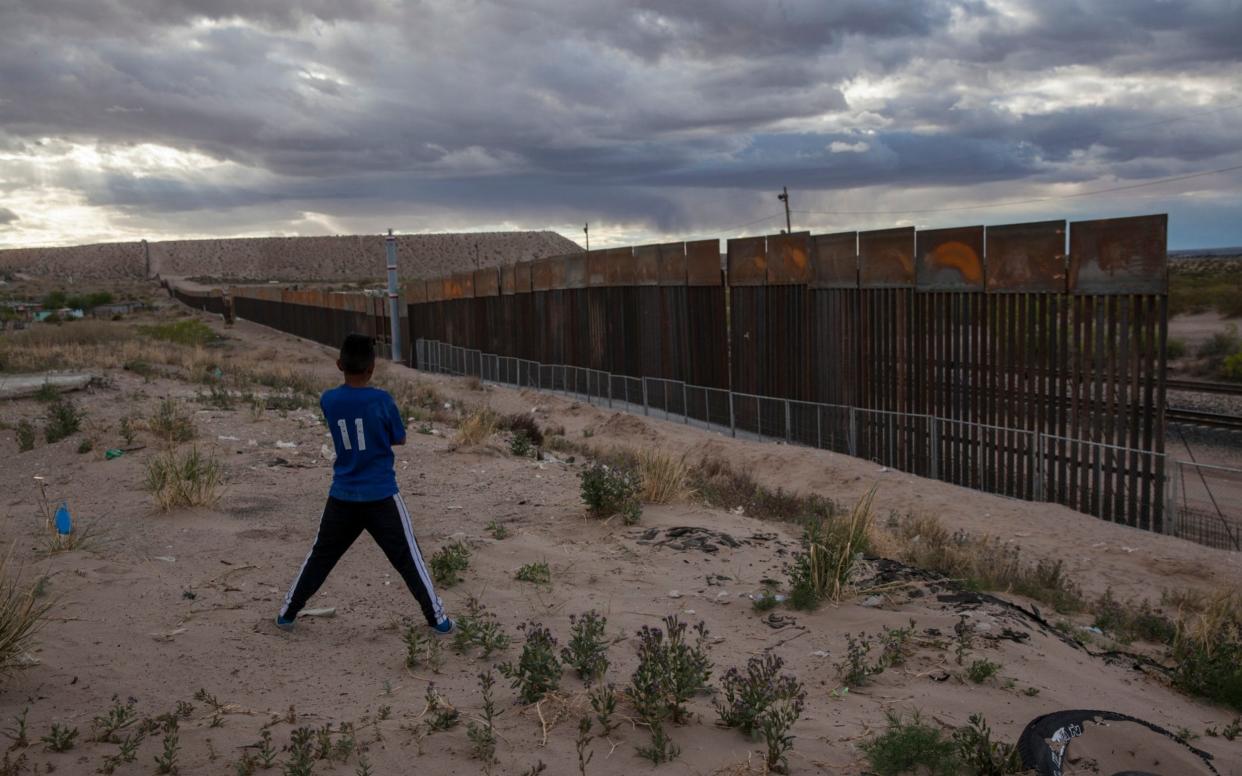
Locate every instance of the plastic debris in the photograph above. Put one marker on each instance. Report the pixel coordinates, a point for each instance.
(64, 522)
(329, 611)
(327, 453)
(228, 439)
(286, 445)
(115, 452)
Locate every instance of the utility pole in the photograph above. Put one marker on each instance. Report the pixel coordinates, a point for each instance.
(784, 197)
(394, 305)
(586, 229)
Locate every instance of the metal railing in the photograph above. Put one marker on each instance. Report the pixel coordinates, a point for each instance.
(1200, 503)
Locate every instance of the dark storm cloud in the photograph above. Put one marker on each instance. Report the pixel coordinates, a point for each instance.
(7, 216)
(552, 109)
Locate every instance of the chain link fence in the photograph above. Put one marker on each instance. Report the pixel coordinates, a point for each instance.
(1203, 503)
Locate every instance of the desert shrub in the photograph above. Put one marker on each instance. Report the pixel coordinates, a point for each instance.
(538, 669)
(980, 755)
(188, 331)
(25, 436)
(981, 670)
(171, 423)
(448, 562)
(523, 423)
(830, 550)
(476, 427)
(520, 445)
(587, 651)
(856, 669)
(1221, 344)
(21, 615)
(662, 478)
(538, 573)
(63, 419)
(187, 478)
(497, 530)
(482, 734)
(47, 393)
(441, 715)
(61, 738)
(478, 627)
(1128, 622)
(608, 491)
(1231, 367)
(765, 600)
(910, 746)
(672, 667)
(1207, 651)
(745, 697)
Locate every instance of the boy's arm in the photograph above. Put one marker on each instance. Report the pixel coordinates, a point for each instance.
(396, 428)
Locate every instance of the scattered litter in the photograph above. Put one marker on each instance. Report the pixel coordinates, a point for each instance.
(872, 601)
(328, 453)
(114, 452)
(253, 443)
(738, 510)
(1093, 629)
(329, 611)
(688, 611)
(286, 445)
(820, 653)
(228, 439)
(168, 635)
(689, 538)
(674, 594)
(883, 468)
(165, 558)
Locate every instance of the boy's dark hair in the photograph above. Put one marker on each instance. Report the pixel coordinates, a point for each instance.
(357, 354)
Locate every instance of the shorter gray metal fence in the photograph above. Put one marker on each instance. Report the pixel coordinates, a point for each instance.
(915, 443)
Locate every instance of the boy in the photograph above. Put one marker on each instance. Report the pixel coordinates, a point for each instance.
(365, 424)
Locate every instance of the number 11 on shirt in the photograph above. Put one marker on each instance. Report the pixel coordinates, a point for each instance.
(362, 440)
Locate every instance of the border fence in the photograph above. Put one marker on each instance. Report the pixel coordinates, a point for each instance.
(1024, 359)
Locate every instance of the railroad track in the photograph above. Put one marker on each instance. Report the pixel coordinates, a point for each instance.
(1203, 386)
(1201, 418)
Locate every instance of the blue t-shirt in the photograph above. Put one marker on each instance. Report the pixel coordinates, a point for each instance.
(365, 424)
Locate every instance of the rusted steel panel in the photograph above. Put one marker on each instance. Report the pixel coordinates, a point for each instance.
(672, 264)
(508, 281)
(703, 263)
(789, 259)
(575, 271)
(466, 279)
(1026, 257)
(452, 287)
(748, 261)
(647, 265)
(558, 271)
(950, 259)
(522, 277)
(415, 292)
(487, 282)
(597, 269)
(834, 258)
(886, 258)
(620, 267)
(1119, 255)
(541, 274)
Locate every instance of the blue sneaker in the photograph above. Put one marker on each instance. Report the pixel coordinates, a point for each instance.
(283, 624)
(444, 627)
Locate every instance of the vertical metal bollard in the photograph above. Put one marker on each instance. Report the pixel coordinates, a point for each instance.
(853, 432)
(819, 426)
(646, 409)
(610, 390)
(1037, 444)
(788, 423)
(935, 448)
(732, 417)
(665, 399)
(685, 405)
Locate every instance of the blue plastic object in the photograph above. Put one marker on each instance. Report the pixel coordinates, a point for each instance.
(64, 523)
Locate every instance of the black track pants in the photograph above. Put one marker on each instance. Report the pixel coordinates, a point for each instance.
(388, 522)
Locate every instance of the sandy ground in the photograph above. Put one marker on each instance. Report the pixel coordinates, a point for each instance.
(160, 605)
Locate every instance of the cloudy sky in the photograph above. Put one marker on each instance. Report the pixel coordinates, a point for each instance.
(651, 119)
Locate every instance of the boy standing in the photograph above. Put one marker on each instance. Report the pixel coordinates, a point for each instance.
(365, 424)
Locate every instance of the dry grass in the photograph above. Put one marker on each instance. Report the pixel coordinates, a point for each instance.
(830, 550)
(184, 479)
(476, 427)
(21, 616)
(662, 478)
(983, 563)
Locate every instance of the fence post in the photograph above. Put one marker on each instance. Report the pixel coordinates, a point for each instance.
(1037, 450)
(732, 419)
(685, 404)
(1170, 496)
(819, 426)
(935, 448)
(610, 390)
(788, 423)
(853, 432)
(646, 408)
(665, 399)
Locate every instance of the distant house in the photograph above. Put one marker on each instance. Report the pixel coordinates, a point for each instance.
(63, 314)
(115, 308)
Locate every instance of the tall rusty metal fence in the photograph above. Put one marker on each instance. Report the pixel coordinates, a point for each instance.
(1024, 359)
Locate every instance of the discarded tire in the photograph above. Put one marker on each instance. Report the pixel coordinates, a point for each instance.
(1116, 744)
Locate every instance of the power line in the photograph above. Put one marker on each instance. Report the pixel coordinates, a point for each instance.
(1032, 200)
